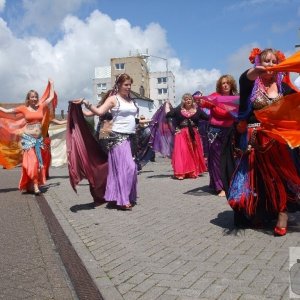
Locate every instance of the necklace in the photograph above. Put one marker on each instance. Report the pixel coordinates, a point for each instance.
(188, 112)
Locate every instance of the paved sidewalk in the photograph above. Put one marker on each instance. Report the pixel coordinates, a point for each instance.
(30, 267)
(177, 243)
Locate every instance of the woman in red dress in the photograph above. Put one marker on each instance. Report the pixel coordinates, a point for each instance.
(187, 157)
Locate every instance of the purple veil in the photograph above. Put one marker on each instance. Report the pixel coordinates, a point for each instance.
(162, 132)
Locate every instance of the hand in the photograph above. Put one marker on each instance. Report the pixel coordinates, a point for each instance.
(260, 70)
(78, 101)
(50, 81)
(241, 126)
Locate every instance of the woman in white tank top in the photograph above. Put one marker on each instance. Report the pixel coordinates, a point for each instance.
(122, 169)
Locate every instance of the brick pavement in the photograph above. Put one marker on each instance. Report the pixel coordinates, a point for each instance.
(177, 243)
(30, 267)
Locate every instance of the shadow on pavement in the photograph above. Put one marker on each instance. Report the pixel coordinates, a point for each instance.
(8, 190)
(54, 177)
(201, 191)
(225, 221)
(85, 206)
(160, 176)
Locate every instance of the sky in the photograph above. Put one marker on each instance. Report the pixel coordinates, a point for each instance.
(202, 40)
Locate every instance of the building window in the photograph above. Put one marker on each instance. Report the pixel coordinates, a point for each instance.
(161, 80)
(162, 91)
(101, 86)
(120, 66)
(160, 102)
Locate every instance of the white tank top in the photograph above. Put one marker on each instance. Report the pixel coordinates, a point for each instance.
(124, 116)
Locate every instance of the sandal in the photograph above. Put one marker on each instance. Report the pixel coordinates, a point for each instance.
(126, 207)
(37, 191)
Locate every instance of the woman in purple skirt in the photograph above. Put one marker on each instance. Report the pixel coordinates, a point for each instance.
(220, 124)
(122, 169)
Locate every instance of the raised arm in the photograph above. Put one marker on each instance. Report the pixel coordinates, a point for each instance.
(51, 95)
(103, 109)
(253, 73)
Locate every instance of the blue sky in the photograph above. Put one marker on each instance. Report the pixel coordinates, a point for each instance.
(66, 40)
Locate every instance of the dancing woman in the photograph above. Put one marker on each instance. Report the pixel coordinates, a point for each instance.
(266, 179)
(34, 111)
(187, 157)
(220, 124)
(122, 170)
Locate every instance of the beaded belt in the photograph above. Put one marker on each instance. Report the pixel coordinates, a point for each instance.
(253, 125)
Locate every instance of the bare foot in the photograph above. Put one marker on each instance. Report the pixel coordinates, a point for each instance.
(222, 194)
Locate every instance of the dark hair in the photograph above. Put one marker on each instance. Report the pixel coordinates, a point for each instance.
(105, 96)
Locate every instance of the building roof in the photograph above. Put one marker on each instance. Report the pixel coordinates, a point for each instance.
(135, 95)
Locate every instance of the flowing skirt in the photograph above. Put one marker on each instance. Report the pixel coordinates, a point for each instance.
(32, 173)
(122, 175)
(216, 137)
(188, 158)
(266, 179)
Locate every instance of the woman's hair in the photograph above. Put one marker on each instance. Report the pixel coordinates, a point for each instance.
(279, 76)
(28, 96)
(187, 95)
(120, 79)
(265, 52)
(105, 96)
(231, 81)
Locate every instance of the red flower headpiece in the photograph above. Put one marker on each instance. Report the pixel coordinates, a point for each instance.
(253, 54)
(280, 56)
(256, 51)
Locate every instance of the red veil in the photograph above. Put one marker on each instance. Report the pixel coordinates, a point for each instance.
(12, 127)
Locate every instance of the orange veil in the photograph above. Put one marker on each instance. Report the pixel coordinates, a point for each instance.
(12, 127)
(281, 120)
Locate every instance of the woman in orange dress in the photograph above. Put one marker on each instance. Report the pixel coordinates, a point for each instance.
(33, 170)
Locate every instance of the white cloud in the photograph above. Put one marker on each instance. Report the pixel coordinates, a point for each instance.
(246, 4)
(45, 16)
(27, 63)
(2, 5)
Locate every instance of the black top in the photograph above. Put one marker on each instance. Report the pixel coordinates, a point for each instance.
(246, 86)
(178, 117)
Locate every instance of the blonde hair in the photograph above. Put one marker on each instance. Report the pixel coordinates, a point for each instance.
(28, 96)
(187, 95)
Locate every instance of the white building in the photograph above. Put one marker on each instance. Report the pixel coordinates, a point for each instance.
(162, 87)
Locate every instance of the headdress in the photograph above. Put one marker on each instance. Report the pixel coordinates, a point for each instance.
(255, 53)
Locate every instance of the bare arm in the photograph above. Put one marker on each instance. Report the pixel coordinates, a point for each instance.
(253, 73)
(167, 107)
(87, 113)
(59, 122)
(7, 110)
(51, 95)
(145, 121)
(103, 109)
